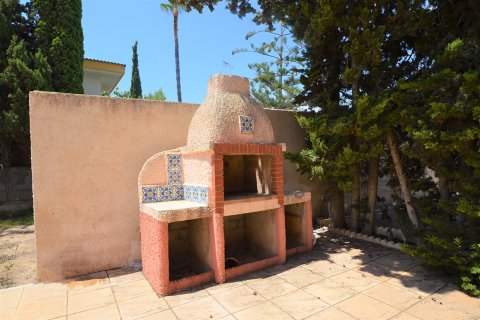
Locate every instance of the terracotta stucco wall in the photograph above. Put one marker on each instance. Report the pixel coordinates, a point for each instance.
(87, 152)
(287, 130)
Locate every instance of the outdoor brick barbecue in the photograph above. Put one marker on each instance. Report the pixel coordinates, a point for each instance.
(215, 208)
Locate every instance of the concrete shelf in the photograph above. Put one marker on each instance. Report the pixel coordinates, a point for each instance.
(174, 211)
(247, 203)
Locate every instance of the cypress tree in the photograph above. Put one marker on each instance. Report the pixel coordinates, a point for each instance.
(24, 72)
(60, 36)
(23, 68)
(347, 52)
(136, 85)
(446, 138)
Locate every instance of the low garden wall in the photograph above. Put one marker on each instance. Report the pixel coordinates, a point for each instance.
(15, 184)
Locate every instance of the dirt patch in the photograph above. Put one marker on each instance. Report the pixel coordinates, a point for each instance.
(18, 262)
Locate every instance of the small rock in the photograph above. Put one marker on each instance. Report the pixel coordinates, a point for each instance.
(254, 293)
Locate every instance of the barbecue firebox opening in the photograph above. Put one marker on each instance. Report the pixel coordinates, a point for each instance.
(246, 175)
(188, 248)
(250, 237)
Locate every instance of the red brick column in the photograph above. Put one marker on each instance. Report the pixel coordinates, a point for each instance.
(308, 219)
(217, 238)
(217, 201)
(278, 189)
(154, 247)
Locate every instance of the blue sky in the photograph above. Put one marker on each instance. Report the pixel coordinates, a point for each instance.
(206, 40)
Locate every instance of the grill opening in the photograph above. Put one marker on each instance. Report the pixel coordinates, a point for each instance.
(295, 224)
(250, 237)
(188, 248)
(246, 175)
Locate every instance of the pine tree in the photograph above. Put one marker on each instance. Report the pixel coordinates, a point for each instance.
(135, 85)
(276, 82)
(60, 36)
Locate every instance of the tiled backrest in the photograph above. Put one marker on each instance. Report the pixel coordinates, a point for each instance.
(175, 190)
(172, 193)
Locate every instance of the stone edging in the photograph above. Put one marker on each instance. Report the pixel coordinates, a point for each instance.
(365, 237)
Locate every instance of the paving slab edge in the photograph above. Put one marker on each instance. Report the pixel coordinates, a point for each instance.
(366, 237)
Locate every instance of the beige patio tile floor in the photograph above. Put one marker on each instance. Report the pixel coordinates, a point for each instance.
(340, 279)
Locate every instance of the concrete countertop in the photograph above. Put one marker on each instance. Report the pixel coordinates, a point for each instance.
(179, 210)
(297, 197)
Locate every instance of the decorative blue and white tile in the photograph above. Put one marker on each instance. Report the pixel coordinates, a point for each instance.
(174, 177)
(150, 194)
(187, 192)
(246, 124)
(203, 194)
(177, 192)
(174, 162)
(165, 194)
(196, 193)
(174, 192)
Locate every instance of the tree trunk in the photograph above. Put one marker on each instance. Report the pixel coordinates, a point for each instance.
(177, 55)
(407, 197)
(373, 168)
(355, 199)
(280, 73)
(356, 172)
(337, 208)
(444, 194)
(443, 187)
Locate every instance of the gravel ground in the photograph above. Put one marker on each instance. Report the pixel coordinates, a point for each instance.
(18, 265)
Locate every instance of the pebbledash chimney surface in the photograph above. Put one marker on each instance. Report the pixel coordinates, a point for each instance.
(215, 208)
